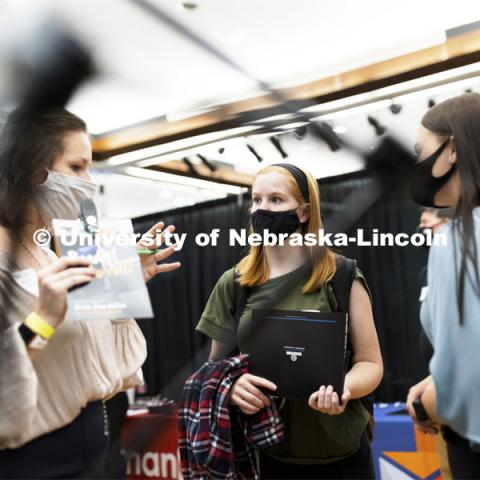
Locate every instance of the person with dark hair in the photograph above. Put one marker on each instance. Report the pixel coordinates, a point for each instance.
(448, 175)
(54, 373)
(432, 219)
(326, 436)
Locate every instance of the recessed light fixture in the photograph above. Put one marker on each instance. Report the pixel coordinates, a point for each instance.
(340, 129)
(395, 108)
(189, 5)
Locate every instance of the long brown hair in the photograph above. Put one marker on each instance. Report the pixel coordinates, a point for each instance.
(253, 268)
(460, 117)
(28, 146)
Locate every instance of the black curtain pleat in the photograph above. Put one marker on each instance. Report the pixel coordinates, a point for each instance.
(175, 349)
(392, 275)
(179, 297)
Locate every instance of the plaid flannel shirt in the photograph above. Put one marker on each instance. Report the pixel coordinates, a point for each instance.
(216, 440)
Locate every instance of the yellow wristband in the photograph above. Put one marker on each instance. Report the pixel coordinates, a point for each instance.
(38, 325)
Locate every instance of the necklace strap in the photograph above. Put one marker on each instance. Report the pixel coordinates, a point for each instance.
(28, 250)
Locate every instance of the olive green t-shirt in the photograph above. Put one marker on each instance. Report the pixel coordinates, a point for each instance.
(311, 437)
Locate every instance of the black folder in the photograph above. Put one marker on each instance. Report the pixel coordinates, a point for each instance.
(298, 350)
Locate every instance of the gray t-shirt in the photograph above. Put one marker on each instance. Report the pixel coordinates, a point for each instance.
(455, 365)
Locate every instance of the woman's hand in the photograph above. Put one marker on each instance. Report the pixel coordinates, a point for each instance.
(420, 388)
(150, 264)
(247, 396)
(325, 400)
(54, 282)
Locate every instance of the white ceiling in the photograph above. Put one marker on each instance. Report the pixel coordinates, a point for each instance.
(147, 196)
(147, 70)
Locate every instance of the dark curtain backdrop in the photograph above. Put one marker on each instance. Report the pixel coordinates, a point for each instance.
(179, 297)
(392, 275)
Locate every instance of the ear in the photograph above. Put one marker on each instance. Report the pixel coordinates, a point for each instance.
(452, 153)
(304, 214)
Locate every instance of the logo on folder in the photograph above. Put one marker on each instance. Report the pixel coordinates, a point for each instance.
(294, 352)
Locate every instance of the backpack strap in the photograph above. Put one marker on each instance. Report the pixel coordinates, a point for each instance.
(342, 283)
(240, 295)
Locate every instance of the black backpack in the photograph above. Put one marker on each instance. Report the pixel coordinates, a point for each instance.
(341, 284)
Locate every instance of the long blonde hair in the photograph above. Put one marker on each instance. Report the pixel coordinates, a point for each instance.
(253, 268)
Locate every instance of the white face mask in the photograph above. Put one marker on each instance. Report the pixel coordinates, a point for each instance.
(61, 196)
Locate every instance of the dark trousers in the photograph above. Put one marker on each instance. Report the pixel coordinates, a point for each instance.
(74, 451)
(356, 466)
(115, 463)
(463, 459)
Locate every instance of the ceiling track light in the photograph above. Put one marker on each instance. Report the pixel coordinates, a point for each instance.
(191, 168)
(207, 163)
(300, 132)
(328, 134)
(379, 129)
(276, 143)
(254, 153)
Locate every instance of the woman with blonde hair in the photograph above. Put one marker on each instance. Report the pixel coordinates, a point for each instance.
(326, 437)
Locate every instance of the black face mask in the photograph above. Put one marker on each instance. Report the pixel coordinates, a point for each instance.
(285, 221)
(424, 185)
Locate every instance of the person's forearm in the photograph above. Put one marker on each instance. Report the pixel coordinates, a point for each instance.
(363, 378)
